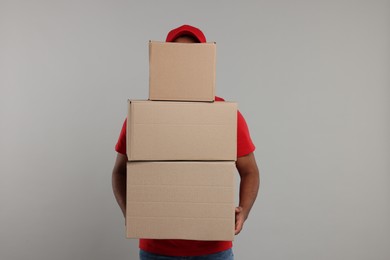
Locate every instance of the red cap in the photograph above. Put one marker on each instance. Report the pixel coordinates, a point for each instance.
(186, 30)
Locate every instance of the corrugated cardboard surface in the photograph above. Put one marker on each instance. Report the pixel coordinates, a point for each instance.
(180, 200)
(163, 130)
(182, 71)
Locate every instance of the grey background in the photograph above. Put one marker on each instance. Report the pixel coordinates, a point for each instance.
(311, 77)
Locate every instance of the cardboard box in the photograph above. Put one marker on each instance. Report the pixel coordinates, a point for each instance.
(163, 130)
(182, 71)
(180, 200)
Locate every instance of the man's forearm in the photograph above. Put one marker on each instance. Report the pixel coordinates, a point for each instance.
(250, 182)
(119, 181)
(119, 188)
(249, 187)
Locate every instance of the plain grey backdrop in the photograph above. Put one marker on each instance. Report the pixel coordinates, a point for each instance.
(311, 78)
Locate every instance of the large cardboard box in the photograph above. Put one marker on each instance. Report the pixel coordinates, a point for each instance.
(180, 200)
(182, 71)
(164, 130)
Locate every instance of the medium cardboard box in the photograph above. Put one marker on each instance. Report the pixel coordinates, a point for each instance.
(182, 71)
(181, 131)
(180, 200)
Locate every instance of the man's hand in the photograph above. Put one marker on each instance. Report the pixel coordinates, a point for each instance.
(240, 219)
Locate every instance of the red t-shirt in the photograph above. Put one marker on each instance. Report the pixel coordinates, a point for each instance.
(178, 247)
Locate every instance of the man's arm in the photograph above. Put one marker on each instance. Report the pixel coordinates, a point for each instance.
(249, 187)
(119, 181)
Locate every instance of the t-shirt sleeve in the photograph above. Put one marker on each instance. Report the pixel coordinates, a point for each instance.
(120, 146)
(244, 142)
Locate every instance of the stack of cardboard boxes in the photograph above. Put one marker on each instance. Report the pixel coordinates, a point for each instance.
(181, 147)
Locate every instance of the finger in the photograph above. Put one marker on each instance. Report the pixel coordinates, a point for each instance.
(238, 227)
(239, 222)
(238, 209)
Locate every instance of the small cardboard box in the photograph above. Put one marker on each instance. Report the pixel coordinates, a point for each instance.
(182, 71)
(181, 131)
(180, 200)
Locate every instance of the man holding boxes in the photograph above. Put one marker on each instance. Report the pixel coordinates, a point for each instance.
(179, 149)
